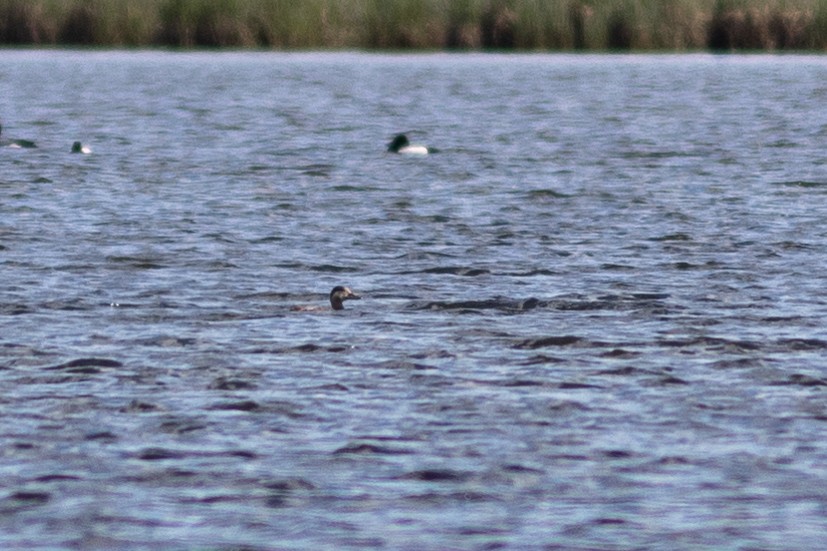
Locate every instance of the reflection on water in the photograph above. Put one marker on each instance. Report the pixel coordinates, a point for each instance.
(594, 318)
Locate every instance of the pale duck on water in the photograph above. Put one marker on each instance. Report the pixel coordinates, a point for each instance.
(78, 147)
(16, 143)
(401, 144)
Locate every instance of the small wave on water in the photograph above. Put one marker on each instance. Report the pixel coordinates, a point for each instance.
(802, 184)
(505, 304)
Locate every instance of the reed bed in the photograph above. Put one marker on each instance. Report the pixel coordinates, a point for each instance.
(420, 24)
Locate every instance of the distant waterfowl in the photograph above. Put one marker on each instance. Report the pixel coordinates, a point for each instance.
(338, 295)
(78, 147)
(400, 144)
(16, 143)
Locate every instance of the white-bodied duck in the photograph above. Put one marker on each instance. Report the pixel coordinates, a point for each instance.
(78, 147)
(401, 144)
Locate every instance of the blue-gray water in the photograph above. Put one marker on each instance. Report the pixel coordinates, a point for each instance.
(595, 319)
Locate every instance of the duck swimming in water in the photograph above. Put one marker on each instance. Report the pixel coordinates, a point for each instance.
(78, 147)
(400, 144)
(338, 295)
(16, 143)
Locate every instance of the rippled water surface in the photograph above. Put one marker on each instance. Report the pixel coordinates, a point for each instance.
(594, 319)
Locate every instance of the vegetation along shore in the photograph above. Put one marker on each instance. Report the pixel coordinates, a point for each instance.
(420, 24)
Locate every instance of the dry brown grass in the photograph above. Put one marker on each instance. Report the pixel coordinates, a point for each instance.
(429, 24)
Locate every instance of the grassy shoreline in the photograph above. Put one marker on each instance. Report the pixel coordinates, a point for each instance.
(672, 25)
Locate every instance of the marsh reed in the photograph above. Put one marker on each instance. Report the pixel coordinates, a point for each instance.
(420, 24)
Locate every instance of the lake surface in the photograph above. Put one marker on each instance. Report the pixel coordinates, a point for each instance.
(594, 319)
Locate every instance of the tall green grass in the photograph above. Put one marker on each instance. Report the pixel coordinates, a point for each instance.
(422, 24)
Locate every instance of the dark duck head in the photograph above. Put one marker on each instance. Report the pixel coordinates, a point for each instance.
(339, 294)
